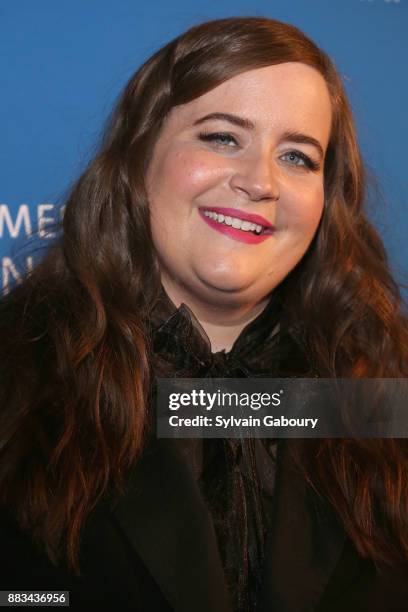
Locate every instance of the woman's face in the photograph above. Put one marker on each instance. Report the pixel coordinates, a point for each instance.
(244, 158)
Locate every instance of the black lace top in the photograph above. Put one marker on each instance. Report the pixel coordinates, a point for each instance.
(236, 476)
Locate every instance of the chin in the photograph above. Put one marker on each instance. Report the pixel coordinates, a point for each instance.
(224, 274)
(224, 291)
(224, 283)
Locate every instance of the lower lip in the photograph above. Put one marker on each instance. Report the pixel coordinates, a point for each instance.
(235, 234)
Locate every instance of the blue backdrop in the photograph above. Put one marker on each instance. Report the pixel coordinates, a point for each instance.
(63, 65)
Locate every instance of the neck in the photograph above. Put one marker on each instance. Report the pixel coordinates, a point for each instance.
(222, 322)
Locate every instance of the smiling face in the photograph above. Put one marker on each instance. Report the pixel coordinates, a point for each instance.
(235, 184)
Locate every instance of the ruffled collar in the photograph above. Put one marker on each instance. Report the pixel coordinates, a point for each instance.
(267, 346)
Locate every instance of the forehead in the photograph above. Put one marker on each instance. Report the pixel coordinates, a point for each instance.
(291, 95)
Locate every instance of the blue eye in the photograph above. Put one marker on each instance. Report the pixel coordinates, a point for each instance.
(305, 160)
(221, 138)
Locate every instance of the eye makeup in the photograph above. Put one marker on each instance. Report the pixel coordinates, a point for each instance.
(231, 142)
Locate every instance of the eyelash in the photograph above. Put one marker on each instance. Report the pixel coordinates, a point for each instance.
(214, 136)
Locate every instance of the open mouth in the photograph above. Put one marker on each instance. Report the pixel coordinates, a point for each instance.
(240, 224)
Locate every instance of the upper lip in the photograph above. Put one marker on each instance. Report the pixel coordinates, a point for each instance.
(240, 214)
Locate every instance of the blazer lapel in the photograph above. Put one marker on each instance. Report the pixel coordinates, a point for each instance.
(165, 518)
(166, 521)
(304, 544)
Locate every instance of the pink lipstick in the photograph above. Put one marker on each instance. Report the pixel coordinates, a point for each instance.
(248, 237)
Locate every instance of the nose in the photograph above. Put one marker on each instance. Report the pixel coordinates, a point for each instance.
(256, 179)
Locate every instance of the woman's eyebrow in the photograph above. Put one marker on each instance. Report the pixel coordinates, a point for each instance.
(291, 135)
(299, 137)
(240, 121)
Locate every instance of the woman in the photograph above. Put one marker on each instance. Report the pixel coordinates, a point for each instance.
(220, 231)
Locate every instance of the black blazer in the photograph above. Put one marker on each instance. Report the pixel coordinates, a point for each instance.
(157, 551)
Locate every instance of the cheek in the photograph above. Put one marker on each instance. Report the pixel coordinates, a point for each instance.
(183, 174)
(304, 208)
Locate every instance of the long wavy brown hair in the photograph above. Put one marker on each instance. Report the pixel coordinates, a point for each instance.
(75, 367)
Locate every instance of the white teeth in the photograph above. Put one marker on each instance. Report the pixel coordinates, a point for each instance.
(246, 226)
